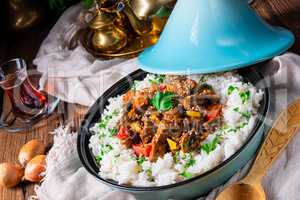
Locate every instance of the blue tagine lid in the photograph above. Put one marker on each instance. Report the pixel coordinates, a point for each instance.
(203, 36)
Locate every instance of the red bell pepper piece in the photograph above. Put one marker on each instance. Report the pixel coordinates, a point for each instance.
(148, 149)
(162, 87)
(142, 150)
(214, 112)
(122, 134)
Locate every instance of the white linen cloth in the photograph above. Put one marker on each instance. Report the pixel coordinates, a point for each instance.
(76, 76)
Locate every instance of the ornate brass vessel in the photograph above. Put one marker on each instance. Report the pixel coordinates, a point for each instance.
(145, 8)
(107, 37)
(117, 24)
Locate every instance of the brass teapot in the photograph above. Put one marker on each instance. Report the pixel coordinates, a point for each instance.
(116, 19)
(142, 9)
(107, 37)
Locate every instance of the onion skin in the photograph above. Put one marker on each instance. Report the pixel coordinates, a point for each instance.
(10, 174)
(30, 150)
(35, 168)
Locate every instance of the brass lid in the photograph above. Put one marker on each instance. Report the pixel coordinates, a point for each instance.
(102, 19)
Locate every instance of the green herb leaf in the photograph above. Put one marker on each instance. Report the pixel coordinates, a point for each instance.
(140, 160)
(224, 127)
(236, 109)
(176, 157)
(232, 130)
(186, 174)
(158, 79)
(212, 145)
(149, 174)
(245, 96)
(238, 127)
(242, 125)
(190, 161)
(203, 79)
(113, 131)
(103, 150)
(163, 101)
(103, 123)
(245, 114)
(230, 89)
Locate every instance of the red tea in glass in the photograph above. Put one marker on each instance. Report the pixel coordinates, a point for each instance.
(27, 102)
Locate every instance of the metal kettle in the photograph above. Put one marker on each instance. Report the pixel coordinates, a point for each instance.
(139, 12)
(107, 36)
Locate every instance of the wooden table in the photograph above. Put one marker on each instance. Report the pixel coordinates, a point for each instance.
(278, 12)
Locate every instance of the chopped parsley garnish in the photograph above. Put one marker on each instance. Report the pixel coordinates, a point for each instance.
(212, 145)
(149, 174)
(103, 150)
(230, 89)
(190, 162)
(176, 157)
(236, 109)
(115, 112)
(140, 160)
(113, 131)
(158, 79)
(186, 174)
(103, 123)
(203, 79)
(163, 101)
(245, 96)
(245, 114)
(224, 127)
(242, 125)
(238, 127)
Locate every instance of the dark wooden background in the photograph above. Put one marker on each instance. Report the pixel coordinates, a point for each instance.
(26, 44)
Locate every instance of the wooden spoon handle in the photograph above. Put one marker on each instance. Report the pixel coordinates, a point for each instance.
(282, 131)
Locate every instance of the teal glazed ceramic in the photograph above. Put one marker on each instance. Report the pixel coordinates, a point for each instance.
(191, 188)
(203, 36)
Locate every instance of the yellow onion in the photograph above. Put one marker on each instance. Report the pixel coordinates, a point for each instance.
(35, 168)
(30, 150)
(10, 174)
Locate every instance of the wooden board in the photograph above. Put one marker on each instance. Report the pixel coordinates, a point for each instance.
(278, 12)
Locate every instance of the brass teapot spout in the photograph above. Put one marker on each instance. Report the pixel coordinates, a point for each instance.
(139, 12)
(145, 8)
(140, 26)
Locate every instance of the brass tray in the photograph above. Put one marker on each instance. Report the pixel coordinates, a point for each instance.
(136, 43)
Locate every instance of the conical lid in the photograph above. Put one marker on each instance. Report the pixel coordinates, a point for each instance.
(203, 36)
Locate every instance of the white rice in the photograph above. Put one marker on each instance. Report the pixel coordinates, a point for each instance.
(120, 164)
